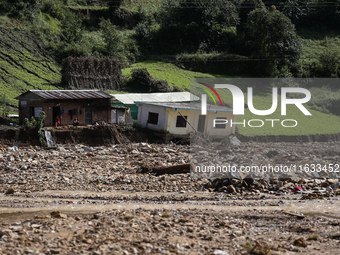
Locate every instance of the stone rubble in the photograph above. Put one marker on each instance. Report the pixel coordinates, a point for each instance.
(175, 213)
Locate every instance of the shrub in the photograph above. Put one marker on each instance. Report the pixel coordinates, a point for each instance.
(329, 63)
(35, 128)
(117, 46)
(142, 81)
(71, 29)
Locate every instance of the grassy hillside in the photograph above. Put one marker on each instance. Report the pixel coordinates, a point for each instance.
(317, 123)
(24, 65)
(174, 75)
(315, 42)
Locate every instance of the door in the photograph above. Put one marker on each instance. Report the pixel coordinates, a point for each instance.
(201, 123)
(56, 111)
(88, 115)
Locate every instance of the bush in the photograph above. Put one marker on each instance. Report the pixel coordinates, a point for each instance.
(142, 81)
(34, 129)
(325, 99)
(143, 15)
(117, 46)
(144, 36)
(53, 8)
(26, 10)
(72, 29)
(329, 63)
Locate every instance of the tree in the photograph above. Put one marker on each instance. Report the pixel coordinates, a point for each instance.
(4, 104)
(72, 29)
(189, 23)
(111, 37)
(295, 10)
(245, 8)
(325, 13)
(271, 36)
(26, 10)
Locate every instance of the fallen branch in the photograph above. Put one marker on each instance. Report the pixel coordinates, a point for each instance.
(177, 169)
(299, 216)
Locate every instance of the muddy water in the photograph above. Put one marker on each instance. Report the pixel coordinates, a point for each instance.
(84, 193)
(41, 203)
(307, 208)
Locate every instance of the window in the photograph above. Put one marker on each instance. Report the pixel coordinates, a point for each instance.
(181, 121)
(222, 126)
(153, 118)
(35, 111)
(23, 103)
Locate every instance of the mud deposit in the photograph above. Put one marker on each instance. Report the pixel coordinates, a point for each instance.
(77, 199)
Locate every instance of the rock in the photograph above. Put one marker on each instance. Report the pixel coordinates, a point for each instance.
(315, 174)
(96, 216)
(220, 252)
(36, 225)
(234, 141)
(335, 186)
(231, 189)
(248, 180)
(6, 232)
(335, 235)
(10, 191)
(272, 154)
(279, 184)
(15, 228)
(55, 251)
(58, 215)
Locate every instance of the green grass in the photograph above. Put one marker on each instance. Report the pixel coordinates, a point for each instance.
(25, 64)
(317, 123)
(133, 5)
(81, 7)
(174, 75)
(314, 42)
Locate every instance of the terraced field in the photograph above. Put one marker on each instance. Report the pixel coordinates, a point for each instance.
(25, 64)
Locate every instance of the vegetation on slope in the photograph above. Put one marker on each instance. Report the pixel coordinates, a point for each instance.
(317, 123)
(36, 35)
(24, 64)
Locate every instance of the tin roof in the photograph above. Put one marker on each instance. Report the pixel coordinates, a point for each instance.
(69, 94)
(189, 106)
(155, 97)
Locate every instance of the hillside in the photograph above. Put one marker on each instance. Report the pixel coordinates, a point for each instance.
(35, 38)
(24, 64)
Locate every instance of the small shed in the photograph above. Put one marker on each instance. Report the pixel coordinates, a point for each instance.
(171, 118)
(88, 106)
(121, 115)
(128, 100)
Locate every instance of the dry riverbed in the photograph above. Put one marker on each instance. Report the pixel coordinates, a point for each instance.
(77, 199)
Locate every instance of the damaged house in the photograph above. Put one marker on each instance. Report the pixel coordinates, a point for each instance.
(179, 119)
(88, 106)
(128, 100)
